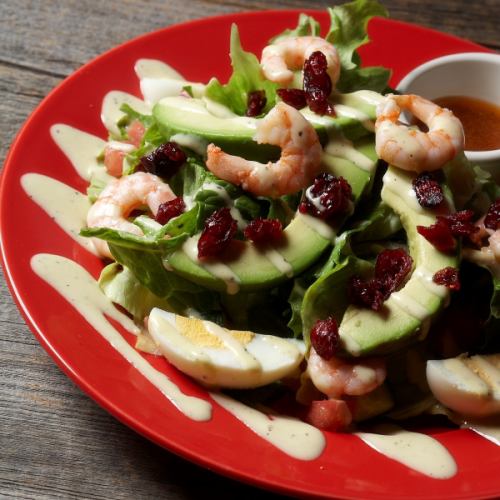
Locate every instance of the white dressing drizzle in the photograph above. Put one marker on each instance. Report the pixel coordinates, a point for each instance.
(65, 205)
(343, 148)
(110, 109)
(81, 148)
(392, 183)
(425, 277)
(279, 262)
(234, 345)
(408, 304)
(292, 436)
(191, 141)
(158, 80)
(218, 109)
(153, 68)
(81, 290)
(413, 449)
(322, 228)
(217, 269)
(349, 112)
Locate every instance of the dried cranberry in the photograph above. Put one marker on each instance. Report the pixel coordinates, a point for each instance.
(318, 84)
(325, 337)
(169, 210)
(391, 268)
(255, 102)
(428, 190)
(366, 293)
(293, 97)
(492, 219)
(262, 231)
(328, 196)
(218, 232)
(447, 277)
(165, 160)
(441, 234)
(460, 223)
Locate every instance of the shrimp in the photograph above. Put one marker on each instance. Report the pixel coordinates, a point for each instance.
(299, 163)
(123, 195)
(336, 377)
(280, 59)
(411, 149)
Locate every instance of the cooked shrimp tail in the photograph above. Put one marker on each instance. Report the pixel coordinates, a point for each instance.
(280, 59)
(412, 149)
(120, 197)
(336, 377)
(299, 163)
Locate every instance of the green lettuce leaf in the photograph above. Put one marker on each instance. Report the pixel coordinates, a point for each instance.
(328, 296)
(121, 286)
(348, 32)
(307, 26)
(247, 77)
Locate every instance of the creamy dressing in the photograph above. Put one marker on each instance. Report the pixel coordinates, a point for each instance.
(66, 206)
(293, 437)
(322, 228)
(391, 182)
(158, 80)
(111, 113)
(217, 269)
(279, 262)
(191, 141)
(408, 304)
(415, 450)
(218, 109)
(349, 112)
(343, 148)
(81, 149)
(426, 278)
(234, 345)
(81, 290)
(153, 68)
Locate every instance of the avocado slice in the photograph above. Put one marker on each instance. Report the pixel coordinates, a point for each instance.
(234, 134)
(246, 268)
(407, 314)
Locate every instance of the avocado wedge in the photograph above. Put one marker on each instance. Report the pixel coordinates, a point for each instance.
(234, 134)
(407, 314)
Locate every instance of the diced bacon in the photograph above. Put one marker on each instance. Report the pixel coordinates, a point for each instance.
(329, 415)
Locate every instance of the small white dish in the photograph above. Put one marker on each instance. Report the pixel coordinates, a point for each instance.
(472, 74)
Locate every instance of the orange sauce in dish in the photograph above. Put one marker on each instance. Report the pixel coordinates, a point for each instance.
(480, 119)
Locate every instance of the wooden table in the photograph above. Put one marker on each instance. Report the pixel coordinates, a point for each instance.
(55, 442)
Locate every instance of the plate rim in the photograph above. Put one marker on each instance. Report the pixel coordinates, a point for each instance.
(68, 370)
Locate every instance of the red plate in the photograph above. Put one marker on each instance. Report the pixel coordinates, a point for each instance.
(199, 49)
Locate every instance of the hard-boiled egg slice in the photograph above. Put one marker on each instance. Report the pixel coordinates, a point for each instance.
(220, 357)
(469, 386)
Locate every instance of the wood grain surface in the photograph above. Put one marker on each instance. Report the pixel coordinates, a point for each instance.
(55, 442)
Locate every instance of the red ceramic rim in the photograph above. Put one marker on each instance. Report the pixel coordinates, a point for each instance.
(347, 468)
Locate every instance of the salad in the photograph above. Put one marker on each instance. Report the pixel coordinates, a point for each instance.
(290, 237)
